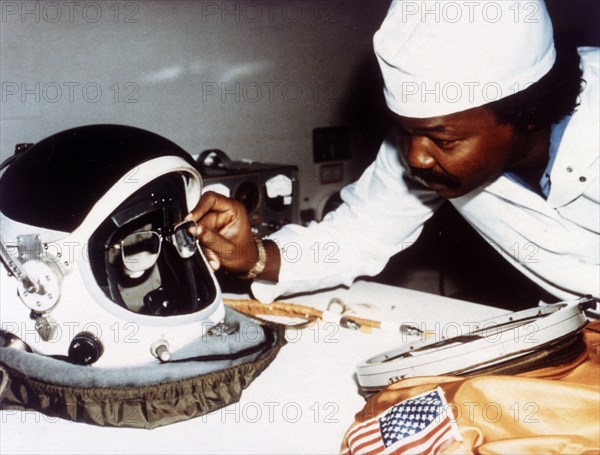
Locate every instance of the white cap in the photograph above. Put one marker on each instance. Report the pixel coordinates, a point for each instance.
(441, 57)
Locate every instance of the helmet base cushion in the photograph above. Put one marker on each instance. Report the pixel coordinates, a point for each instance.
(140, 397)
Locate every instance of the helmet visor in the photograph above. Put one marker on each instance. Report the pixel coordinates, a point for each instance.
(141, 250)
(146, 257)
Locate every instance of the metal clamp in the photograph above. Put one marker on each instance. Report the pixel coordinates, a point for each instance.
(223, 328)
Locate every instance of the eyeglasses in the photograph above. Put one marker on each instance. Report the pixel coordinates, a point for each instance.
(140, 250)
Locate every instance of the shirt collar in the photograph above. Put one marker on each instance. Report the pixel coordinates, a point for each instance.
(543, 190)
(555, 139)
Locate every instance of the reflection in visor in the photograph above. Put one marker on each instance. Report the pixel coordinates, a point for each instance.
(146, 259)
(184, 238)
(140, 250)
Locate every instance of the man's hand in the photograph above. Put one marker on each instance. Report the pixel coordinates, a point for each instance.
(224, 233)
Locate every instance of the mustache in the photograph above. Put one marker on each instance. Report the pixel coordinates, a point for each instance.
(430, 176)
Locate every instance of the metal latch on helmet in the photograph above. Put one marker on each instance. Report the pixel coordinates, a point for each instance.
(45, 326)
(15, 268)
(223, 328)
(38, 280)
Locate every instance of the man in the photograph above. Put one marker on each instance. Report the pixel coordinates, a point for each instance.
(489, 115)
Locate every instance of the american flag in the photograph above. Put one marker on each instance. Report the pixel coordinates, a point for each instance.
(422, 424)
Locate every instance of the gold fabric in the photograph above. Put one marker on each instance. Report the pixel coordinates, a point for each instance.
(553, 410)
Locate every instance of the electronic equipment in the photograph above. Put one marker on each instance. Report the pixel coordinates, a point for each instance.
(269, 192)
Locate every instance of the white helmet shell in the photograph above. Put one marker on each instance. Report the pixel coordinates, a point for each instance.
(64, 205)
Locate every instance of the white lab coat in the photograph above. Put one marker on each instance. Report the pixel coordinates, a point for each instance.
(553, 241)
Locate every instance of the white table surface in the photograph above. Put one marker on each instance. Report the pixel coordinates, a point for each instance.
(302, 403)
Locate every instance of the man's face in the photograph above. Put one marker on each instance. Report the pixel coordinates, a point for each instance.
(457, 153)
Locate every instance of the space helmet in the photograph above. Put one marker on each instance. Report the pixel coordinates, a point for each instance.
(102, 266)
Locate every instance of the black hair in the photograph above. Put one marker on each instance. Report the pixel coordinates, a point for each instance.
(546, 101)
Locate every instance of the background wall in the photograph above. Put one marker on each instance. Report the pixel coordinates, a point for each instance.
(251, 78)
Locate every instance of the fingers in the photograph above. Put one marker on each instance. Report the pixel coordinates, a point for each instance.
(213, 259)
(206, 237)
(211, 256)
(206, 201)
(220, 251)
(211, 202)
(224, 232)
(209, 239)
(220, 214)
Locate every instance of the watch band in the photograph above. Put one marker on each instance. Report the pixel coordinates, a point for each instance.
(260, 263)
